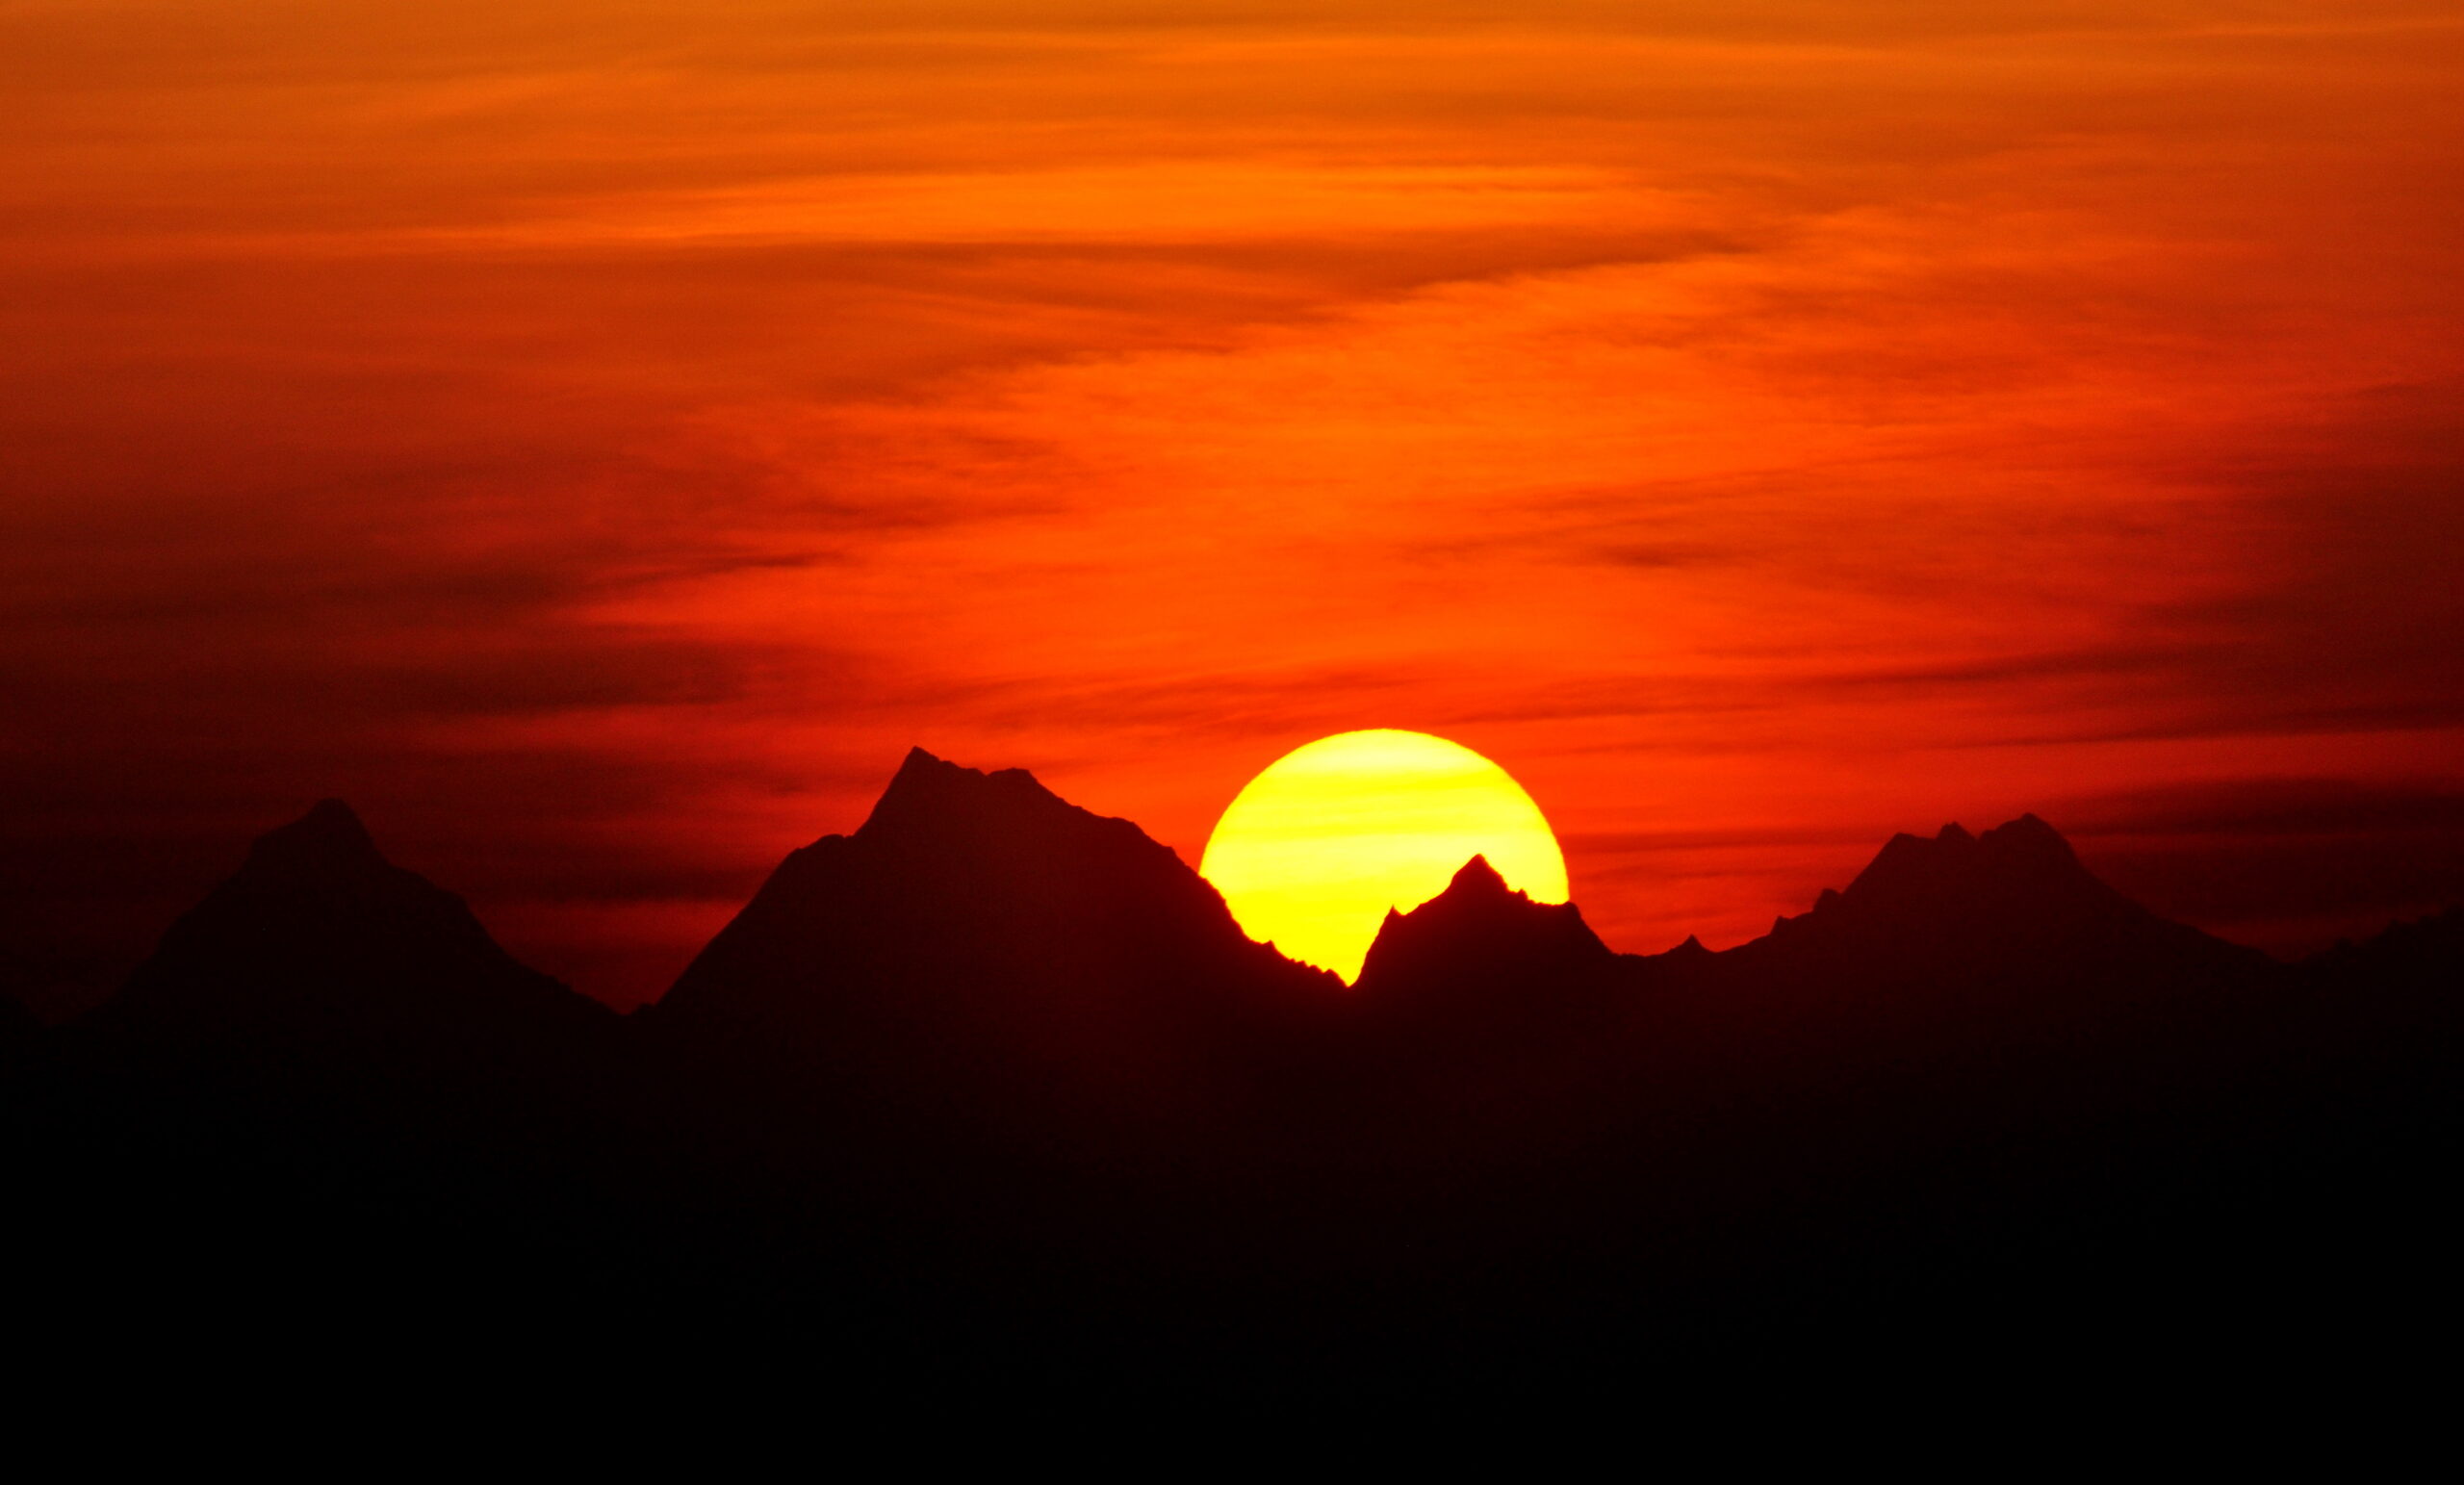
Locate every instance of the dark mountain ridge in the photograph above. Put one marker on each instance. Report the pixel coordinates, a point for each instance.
(958, 873)
(2015, 901)
(1479, 932)
(329, 1087)
(1000, 1073)
(980, 939)
(1486, 1012)
(319, 943)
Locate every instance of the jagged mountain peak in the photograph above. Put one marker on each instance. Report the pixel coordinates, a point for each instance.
(928, 792)
(1911, 867)
(1477, 893)
(981, 908)
(1479, 927)
(2017, 896)
(1477, 878)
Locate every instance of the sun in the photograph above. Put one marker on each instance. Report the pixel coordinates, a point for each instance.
(1317, 847)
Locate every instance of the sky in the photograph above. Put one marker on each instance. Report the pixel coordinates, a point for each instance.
(598, 439)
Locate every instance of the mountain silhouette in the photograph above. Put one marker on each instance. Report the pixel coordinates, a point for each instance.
(1479, 932)
(993, 1089)
(331, 1090)
(318, 944)
(977, 927)
(1954, 946)
(1494, 997)
(2012, 906)
(1972, 982)
(1997, 961)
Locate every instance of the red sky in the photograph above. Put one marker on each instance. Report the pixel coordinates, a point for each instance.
(597, 439)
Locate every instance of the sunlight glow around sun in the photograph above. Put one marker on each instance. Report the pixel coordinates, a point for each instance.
(1315, 849)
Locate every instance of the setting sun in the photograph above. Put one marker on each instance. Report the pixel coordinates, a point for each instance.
(1317, 847)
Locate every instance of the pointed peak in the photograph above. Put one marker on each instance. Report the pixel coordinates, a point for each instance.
(1955, 833)
(920, 757)
(328, 838)
(920, 769)
(1476, 875)
(1477, 895)
(1478, 920)
(925, 786)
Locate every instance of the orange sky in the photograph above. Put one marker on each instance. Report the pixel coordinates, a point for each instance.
(597, 439)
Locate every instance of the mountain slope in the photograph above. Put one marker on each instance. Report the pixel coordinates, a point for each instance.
(319, 941)
(1975, 1102)
(980, 924)
(1480, 933)
(2011, 907)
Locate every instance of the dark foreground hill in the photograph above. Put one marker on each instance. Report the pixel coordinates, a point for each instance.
(991, 1092)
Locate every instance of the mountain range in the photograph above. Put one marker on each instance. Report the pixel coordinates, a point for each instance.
(994, 1078)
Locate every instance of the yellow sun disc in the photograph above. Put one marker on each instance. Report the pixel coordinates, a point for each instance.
(1317, 848)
